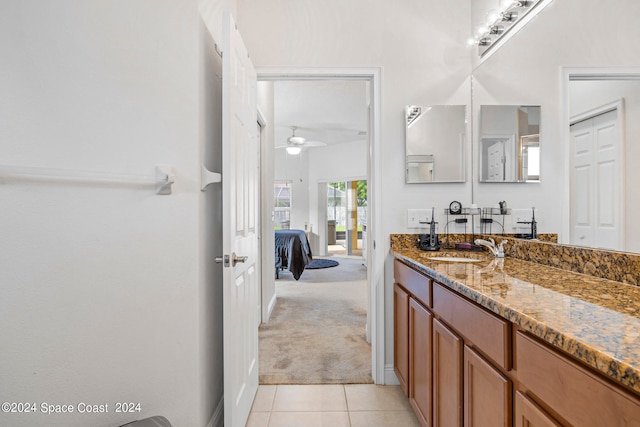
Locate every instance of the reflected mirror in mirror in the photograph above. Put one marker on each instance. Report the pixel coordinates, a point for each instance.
(434, 142)
(509, 143)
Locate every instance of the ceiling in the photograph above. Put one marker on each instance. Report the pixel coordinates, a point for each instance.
(330, 111)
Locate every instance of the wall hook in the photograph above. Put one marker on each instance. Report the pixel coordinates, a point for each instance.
(165, 178)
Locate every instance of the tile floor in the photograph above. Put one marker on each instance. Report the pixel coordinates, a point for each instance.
(334, 405)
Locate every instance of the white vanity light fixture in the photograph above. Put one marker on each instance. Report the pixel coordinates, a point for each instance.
(496, 30)
(294, 151)
(500, 21)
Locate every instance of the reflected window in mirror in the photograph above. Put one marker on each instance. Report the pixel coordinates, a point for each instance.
(509, 143)
(434, 142)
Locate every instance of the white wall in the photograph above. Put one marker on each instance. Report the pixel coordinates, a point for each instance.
(587, 95)
(527, 70)
(421, 49)
(105, 288)
(296, 170)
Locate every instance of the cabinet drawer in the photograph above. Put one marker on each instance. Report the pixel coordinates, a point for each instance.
(487, 332)
(576, 394)
(417, 284)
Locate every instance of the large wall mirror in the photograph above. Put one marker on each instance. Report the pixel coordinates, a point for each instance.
(434, 142)
(586, 85)
(509, 143)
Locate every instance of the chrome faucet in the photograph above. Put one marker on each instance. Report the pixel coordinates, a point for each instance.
(497, 251)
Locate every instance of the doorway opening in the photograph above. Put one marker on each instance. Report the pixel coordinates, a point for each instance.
(347, 218)
(316, 174)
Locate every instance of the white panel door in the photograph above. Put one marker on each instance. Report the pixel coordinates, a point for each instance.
(606, 146)
(241, 298)
(495, 154)
(596, 182)
(582, 224)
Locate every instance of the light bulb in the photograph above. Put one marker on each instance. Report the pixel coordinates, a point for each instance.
(482, 30)
(505, 4)
(492, 16)
(294, 151)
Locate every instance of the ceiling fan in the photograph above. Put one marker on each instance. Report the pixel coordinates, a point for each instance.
(296, 143)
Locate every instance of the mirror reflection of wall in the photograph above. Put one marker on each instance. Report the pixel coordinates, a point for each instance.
(509, 143)
(434, 142)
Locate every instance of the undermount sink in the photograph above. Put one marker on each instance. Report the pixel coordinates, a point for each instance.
(453, 259)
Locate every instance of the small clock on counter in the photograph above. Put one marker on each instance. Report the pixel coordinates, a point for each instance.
(455, 208)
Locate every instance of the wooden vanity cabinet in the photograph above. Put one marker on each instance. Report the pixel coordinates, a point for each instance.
(401, 336)
(485, 393)
(464, 365)
(449, 383)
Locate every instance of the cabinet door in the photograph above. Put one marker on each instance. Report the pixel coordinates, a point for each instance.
(401, 336)
(529, 415)
(487, 393)
(447, 376)
(420, 383)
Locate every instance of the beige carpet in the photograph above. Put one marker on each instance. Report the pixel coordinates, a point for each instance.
(316, 334)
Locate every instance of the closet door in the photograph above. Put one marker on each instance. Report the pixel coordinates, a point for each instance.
(596, 182)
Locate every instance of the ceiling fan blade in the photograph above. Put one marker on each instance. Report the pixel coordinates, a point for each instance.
(315, 143)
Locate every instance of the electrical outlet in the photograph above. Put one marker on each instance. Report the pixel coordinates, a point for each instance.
(521, 215)
(418, 218)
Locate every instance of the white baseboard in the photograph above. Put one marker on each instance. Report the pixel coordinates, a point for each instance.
(271, 306)
(390, 377)
(217, 419)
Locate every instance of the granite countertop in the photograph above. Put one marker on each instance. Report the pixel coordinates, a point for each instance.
(595, 320)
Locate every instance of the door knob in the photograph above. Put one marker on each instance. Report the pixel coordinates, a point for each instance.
(236, 259)
(231, 261)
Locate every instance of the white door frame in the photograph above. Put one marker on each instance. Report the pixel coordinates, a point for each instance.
(375, 267)
(582, 73)
(265, 306)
